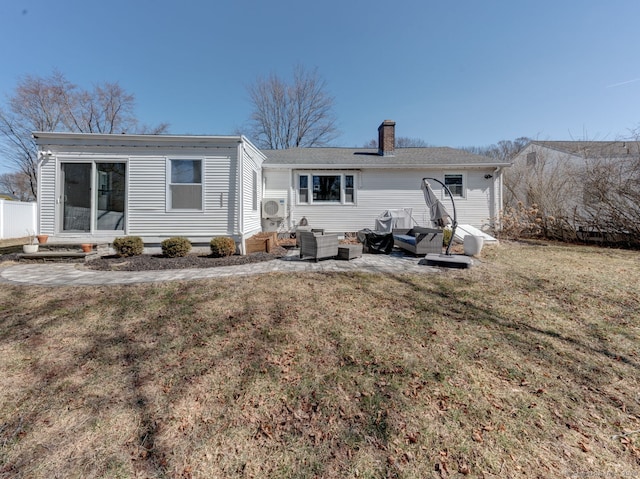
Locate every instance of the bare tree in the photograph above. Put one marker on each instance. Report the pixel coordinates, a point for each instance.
(592, 195)
(108, 108)
(407, 142)
(543, 202)
(35, 106)
(401, 142)
(611, 198)
(504, 150)
(299, 114)
(54, 104)
(17, 185)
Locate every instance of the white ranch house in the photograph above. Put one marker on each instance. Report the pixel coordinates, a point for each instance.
(95, 187)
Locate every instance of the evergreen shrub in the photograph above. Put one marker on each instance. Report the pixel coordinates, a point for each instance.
(176, 247)
(222, 246)
(128, 245)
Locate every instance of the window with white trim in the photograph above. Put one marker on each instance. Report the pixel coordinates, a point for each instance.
(185, 184)
(455, 183)
(303, 188)
(349, 189)
(330, 187)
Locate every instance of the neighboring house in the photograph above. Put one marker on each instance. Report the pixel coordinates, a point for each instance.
(581, 150)
(96, 187)
(579, 181)
(346, 189)
(552, 154)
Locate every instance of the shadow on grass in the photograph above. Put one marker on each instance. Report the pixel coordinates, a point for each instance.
(518, 332)
(152, 346)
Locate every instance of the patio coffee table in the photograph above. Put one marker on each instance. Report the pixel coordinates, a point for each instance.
(349, 251)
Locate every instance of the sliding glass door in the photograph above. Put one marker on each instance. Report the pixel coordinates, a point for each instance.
(76, 198)
(110, 196)
(83, 211)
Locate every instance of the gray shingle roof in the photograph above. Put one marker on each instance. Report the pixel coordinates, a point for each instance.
(594, 149)
(369, 157)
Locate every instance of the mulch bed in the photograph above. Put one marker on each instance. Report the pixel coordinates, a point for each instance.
(146, 262)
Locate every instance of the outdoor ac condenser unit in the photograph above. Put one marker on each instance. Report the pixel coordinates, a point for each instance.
(274, 207)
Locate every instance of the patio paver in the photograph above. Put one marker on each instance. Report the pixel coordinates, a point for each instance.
(64, 274)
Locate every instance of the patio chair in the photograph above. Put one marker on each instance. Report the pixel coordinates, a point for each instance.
(318, 245)
(300, 229)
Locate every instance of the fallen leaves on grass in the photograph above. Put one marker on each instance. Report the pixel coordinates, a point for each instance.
(523, 365)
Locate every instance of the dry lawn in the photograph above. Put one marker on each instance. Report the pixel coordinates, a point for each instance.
(526, 366)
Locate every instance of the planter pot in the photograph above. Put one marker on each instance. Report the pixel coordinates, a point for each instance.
(30, 248)
(42, 239)
(473, 245)
(87, 248)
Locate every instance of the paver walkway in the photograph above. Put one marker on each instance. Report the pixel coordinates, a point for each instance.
(66, 274)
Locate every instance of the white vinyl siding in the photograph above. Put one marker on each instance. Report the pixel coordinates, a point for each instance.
(230, 166)
(379, 190)
(148, 215)
(147, 194)
(251, 189)
(254, 190)
(277, 183)
(47, 197)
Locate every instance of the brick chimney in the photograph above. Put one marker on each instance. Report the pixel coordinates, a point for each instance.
(387, 138)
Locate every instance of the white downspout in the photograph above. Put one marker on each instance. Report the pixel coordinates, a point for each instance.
(241, 195)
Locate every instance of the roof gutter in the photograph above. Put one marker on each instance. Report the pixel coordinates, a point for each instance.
(149, 141)
(395, 166)
(113, 136)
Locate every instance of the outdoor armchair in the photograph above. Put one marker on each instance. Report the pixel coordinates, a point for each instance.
(318, 245)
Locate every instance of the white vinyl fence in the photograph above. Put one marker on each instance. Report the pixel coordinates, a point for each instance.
(17, 219)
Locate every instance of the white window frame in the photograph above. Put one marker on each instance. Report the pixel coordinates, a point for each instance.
(463, 194)
(308, 189)
(59, 188)
(169, 183)
(341, 174)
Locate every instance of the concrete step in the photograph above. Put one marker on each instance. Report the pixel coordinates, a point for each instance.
(67, 252)
(52, 256)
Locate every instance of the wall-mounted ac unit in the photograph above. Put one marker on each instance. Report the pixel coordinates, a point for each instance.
(274, 207)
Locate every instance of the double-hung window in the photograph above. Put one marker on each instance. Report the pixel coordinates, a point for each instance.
(326, 188)
(455, 183)
(185, 184)
(303, 188)
(349, 189)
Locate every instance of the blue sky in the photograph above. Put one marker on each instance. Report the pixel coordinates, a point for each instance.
(455, 73)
